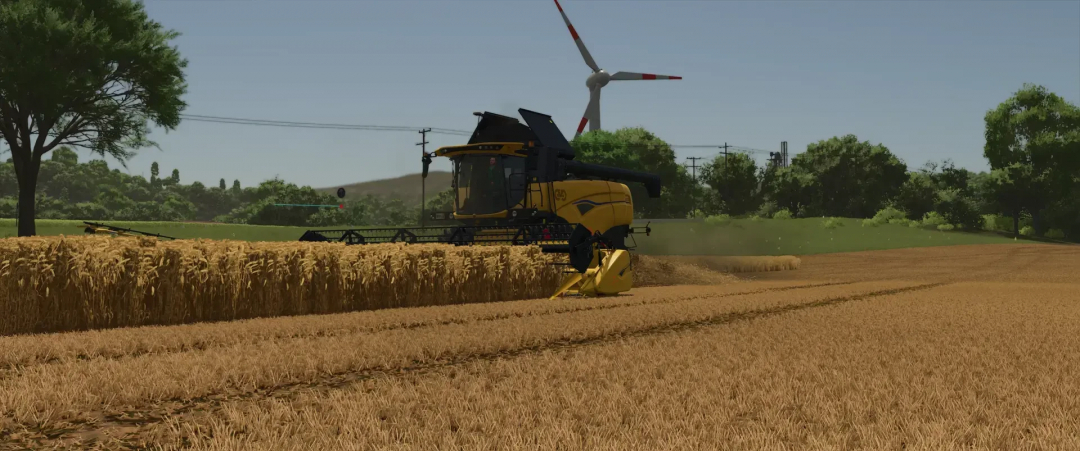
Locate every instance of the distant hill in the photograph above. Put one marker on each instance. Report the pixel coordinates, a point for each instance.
(406, 187)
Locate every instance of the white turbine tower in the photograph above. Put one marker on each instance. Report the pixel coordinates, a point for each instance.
(600, 78)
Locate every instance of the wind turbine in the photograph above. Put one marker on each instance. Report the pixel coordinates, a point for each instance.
(600, 78)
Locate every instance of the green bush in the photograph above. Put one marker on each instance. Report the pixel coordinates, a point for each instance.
(933, 219)
(718, 220)
(782, 214)
(1055, 234)
(756, 218)
(695, 214)
(945, 227)
(767, 209)
(888, 214)
(832, 223)
(996, 223)
(958, 209)
(1001, 223)
(1027, 231)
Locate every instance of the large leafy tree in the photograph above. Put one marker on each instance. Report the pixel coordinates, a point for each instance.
(850, 178)
(89, 74)
(946, 189)
(264, 211)
(639, 150)
(1033, 144)
(734, 180)
(789, 187)
(918, 194)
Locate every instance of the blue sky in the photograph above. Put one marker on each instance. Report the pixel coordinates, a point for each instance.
(915, 76)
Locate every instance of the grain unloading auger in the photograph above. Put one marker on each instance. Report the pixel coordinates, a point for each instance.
(518, 184)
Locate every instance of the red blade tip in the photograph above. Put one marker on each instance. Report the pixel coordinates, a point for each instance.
(573, 32)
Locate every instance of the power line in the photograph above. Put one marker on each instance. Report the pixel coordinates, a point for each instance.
(739, 149)
(319, 125)
(393, 128)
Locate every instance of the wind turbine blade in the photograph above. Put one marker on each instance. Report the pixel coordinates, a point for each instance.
(592, 112)
(637, 76)
(577, 40)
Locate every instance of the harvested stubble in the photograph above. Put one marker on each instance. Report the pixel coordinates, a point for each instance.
(656, 271)
(660, 270)
(52, 284)
(739, 264)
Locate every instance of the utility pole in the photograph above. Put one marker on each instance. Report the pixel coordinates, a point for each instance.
(727, 173)
(425, 160)
(693, 194)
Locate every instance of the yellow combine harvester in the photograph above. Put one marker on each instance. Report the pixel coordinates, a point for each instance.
(519, 184)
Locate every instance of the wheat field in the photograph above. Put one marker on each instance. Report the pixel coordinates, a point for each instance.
(56, 284)
(76, 283)
(971, 347)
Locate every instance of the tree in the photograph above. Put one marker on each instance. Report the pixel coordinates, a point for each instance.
(82, 74)
(65, 156)
(951, 177)
(850, 178)
(946, 189)
(734, 179)
(264, 212)
(443, 201)
(917, 196)
(788, 188)
(173, 179)
(1015, 188)
(155, 172)
(639, 150)
(221, 184)
(1034, 137)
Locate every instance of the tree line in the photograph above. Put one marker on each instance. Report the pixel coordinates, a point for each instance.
(1033, 186)
(68, 189)
(1032, 146)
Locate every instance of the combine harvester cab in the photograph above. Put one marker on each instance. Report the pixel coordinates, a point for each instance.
(518, 184)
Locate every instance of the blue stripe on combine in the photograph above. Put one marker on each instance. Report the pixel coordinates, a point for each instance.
(586, 201)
